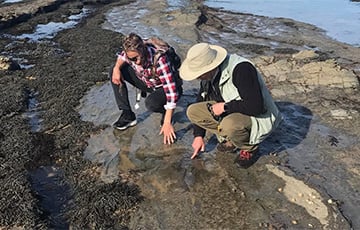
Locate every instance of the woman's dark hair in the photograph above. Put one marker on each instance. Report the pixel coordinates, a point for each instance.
(133, 42)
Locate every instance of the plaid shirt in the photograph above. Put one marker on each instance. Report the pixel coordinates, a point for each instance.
(165, 77)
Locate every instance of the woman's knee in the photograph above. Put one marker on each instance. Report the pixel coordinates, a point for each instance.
(150, 106)
(153, 105)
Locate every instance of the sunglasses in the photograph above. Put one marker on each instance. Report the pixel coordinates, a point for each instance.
(134, 59)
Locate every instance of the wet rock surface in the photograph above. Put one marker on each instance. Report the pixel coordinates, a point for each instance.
(307, 177)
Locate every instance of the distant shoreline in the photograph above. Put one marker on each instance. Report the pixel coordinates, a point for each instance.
(341, 22)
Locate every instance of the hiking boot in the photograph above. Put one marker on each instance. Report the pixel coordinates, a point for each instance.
(246, 158)
(126, 120)
(226, 147)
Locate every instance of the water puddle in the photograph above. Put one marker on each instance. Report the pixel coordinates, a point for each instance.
(47, 181)
(138, 147)
(48, 184)
(12, 1)
(42, 33)
(33, 112)
(49, 30)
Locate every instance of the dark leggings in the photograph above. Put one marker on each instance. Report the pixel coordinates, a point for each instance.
(155, 100)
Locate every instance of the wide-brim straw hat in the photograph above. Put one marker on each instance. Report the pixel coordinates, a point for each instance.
(201, 58)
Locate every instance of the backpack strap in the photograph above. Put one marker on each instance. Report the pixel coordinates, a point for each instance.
(162, 47)
(156, 58)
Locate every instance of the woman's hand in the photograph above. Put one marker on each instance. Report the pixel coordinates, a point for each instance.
(116, 76)
(169, 133)
(116, 73)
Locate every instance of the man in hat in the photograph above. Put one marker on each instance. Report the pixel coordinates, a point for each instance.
(233, 102)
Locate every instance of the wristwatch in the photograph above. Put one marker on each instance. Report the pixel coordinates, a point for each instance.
(226, 107)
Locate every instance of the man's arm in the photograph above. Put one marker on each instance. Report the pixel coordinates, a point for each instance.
(197, 130)
(246, 81)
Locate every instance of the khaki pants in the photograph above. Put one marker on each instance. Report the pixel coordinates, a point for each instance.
(234, 127)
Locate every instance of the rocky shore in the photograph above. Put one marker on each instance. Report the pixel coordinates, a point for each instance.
(308, 177)
(64, 69)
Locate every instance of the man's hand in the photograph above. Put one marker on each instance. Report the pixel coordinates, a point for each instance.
(198, 145)
(169, 133)
(218, 108)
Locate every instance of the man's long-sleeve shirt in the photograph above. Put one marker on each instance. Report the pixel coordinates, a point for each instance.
(245, 79)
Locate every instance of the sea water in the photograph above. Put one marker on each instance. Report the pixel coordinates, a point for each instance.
(339, 18)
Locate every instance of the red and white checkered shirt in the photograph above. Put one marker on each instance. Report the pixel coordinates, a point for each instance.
(163, 71)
